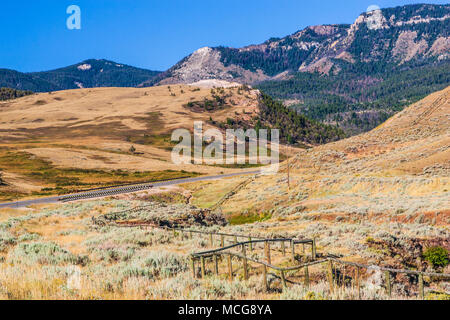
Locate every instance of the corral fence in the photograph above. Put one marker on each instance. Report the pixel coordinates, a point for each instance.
(336, 277)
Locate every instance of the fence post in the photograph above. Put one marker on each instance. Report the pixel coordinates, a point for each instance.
(267, 245)
(313, 249)
(190, 234)
(343, 280)
(174, 233)
(330, 275)
(216, 265)
(293, 249)
(266, 284)
(421, 287)
(211, 242)
(202, 259)
(283, 248)
(230, 268)
(388, 283)
(193, 267)
(250, 243)
(222, 241)
(358, 283)
(235, 240)
(306, 277)
(283, 279)
(244, 262)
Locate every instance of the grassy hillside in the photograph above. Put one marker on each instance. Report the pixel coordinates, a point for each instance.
(75, 139)
(377, 199)
(355, 102)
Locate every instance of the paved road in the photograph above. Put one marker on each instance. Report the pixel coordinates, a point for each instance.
(118, 190)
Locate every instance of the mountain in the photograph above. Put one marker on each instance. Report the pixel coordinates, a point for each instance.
(23, 81)
(355, 76)
(87, 74)
(377, 39)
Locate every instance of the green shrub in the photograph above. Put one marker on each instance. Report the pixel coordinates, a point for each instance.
(438, 296)
(437, 256)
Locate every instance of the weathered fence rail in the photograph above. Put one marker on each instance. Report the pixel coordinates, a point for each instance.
(335, 277)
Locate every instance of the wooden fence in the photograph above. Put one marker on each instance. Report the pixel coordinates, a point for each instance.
(335, 277)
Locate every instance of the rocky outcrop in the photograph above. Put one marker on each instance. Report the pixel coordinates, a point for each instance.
(206, 64)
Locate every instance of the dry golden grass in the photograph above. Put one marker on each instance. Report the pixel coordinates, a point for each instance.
(95, 129)
(124, 110)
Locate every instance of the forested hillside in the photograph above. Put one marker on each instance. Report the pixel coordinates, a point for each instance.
(8, 93)
(358, 103)
(294, 127)
(87, 74)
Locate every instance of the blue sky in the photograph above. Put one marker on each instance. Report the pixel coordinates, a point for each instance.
(155, 34)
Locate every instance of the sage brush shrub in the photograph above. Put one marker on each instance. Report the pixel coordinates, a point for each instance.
(151, 265)
(437, 256)
(6, 239)
(44, 253)
(164, 264)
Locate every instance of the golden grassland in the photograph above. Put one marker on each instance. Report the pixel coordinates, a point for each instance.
(63, 180)
(380, 198)
(51, 143)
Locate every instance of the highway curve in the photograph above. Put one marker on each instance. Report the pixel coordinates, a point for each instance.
(116, 190)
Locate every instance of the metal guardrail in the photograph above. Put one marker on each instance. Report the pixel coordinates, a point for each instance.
(128, 184)
(101, 193)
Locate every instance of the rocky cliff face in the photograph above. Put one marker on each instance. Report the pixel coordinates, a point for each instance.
(204, 64)
(393, 36)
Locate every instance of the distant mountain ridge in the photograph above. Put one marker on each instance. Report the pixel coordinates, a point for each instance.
(87, 74)
(376, 40)
(354, 76)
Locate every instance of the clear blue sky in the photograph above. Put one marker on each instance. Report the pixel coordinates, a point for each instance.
(155, 34)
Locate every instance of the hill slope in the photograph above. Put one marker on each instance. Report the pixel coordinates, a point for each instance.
(87, 74)
(118, 132)
(398, 172)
